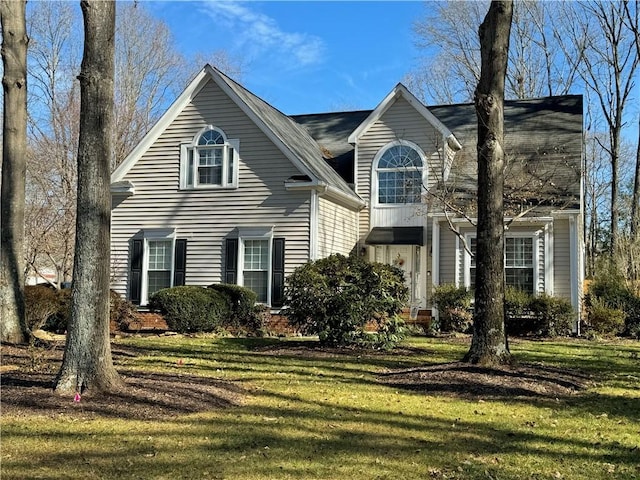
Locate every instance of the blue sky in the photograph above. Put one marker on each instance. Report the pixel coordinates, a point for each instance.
(304, 57)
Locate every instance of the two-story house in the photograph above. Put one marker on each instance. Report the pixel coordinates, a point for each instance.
(226, 188)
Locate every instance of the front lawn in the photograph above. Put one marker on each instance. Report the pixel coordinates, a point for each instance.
(223, 408)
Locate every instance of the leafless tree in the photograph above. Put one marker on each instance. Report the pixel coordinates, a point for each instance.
(14, 147)
(450, 70)
(489, 343)
(608, 69)
(87, 361)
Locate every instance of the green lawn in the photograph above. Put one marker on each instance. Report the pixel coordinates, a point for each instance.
(326, 416)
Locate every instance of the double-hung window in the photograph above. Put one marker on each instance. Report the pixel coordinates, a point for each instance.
(519, 262)
(159, 265)
(255, 269)
(256, 260)
(157, 260)
(209, 161)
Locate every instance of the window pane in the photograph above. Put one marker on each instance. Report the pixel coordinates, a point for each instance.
(211, 137)
(402, 186)
(210, 175)
(231, 154)
(160, 254)
(159, 280)
(257, 281)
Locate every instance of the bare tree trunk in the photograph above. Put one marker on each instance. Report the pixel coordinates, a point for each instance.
(14, 150)
(489, 344)
(87, 361)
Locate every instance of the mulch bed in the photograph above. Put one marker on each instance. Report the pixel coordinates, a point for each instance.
(503, 382)
(28, 374)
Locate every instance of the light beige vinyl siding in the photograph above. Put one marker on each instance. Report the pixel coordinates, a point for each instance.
(207, 217)
(562, 258)
(337, 229)
(448, 254)
(400, 122)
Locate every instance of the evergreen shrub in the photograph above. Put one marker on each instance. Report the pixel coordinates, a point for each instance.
(337, 297)
(190, 309)
(244, 316)
(454, 307)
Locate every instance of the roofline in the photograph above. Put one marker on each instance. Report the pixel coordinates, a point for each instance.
(401, 91)
(163, 122)
(207, 73)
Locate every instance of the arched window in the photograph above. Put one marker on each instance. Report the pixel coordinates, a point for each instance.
(399, 174)
(210, 160)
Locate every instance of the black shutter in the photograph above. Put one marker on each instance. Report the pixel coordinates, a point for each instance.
(135, 274)
(277, 273)
(180, 262)
(231, 261)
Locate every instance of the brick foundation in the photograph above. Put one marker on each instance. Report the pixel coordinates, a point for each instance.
(275, 324)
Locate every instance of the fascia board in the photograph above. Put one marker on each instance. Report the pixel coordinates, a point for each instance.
(374, 116)
(161, 125)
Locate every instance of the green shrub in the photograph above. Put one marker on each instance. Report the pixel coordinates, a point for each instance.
(336, 297)
(454, 307)
(244, 317)
(121, 312)
(41, 302)
(59, 320)
(188, 309)
(603, 319)
(553, 316)
(611, 291)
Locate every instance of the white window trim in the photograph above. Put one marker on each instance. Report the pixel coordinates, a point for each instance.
(256, 233)
(231, 147)
(155, 235)
(536, 258)
(374, 173)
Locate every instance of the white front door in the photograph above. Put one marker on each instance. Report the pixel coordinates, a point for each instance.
(405, 258)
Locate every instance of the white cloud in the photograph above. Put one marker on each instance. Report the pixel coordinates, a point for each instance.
(260, 34)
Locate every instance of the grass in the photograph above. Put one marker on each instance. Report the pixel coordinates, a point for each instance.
(327, 417)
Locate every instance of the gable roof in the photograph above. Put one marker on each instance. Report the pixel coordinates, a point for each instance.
(291, 138)
(543, 140)
(401, 91)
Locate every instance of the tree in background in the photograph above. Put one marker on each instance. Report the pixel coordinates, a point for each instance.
(87, 361)
(489, 342)
(607, 68)
(450, 69)
(14, 147)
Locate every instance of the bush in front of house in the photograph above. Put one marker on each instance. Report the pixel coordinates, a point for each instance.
(609, 300)
(553, 316)
(246, 317)
(539, 315)
(190, 309)
(337, 297)
(454, 307)
(41, 302)
(121, 311)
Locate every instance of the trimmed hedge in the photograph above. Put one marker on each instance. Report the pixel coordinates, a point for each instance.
(190, 309)
(245, 317)
(540, 315)
(41, 303)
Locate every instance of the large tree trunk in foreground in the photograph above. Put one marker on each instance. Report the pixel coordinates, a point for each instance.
(14, 149)
(87, 361)
(489, 343)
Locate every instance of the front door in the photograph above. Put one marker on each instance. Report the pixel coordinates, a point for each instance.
(405, 258)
